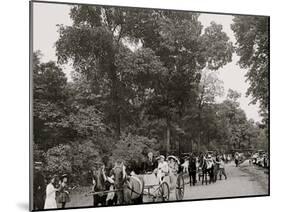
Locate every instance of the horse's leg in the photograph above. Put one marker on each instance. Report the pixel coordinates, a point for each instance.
(210, 176)
(194, 175)
(204, 179)
(115, 199)
(103, 200)
(95, 200)
(207, 174)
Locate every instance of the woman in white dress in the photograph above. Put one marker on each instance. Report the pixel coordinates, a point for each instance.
(50, 201)
(163, 169)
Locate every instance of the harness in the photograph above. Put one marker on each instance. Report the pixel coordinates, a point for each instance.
(134, 191)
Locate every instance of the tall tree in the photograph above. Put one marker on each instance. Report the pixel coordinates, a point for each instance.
(185, 51)
(96, 45)
(210, 87)
(49, 102)
(162, 71)
(252, 36)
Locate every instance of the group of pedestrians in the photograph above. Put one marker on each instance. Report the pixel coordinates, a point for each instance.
(205, 165)
(56, 191)
(194, 165)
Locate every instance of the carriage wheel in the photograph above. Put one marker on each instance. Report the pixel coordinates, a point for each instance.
(164, 191)
(180, 188)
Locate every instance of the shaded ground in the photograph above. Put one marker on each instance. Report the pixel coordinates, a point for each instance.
(242, 181)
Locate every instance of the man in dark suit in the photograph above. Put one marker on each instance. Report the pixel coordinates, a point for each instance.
(39, 187)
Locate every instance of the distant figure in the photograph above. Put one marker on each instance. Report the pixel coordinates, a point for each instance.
(251, 160)
(236, 159)
(208, 169)
(221, 170)
(185, 164)
(216, 167)
(50, 202)
(63, 197)
(228, 158)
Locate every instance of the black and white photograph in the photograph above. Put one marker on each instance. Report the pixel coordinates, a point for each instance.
(132, 105)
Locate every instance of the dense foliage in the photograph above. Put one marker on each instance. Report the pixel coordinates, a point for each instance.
(252, 35)
(143, 80)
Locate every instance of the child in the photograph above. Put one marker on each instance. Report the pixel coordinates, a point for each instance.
(63, 192)
(50, 201)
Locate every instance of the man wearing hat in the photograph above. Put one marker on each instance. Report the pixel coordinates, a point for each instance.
(150, 163)
(162, 169)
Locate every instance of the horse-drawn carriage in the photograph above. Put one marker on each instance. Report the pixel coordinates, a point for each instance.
(173, 182)
(137, 188)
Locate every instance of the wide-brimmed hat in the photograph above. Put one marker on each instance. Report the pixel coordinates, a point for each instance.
(63, 176)
(160, 156)
(173, 157)
(51, 176)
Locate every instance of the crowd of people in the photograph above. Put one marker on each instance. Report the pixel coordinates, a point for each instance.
(205, 166)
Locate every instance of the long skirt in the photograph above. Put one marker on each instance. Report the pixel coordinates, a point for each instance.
(50, 203)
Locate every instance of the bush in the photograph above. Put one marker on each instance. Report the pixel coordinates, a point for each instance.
(130, 149)
(75, 159)
(58, 159)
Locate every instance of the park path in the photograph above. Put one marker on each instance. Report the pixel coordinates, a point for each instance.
(244, 180)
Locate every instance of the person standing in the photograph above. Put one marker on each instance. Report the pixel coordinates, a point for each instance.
(162, 169)
(192, 170)
(185, 164)
(173, 170)
(50, 202)
(63, 197)
(221, 170)
(236, 159)
(150, 163)
(216, 167)
(39, 187)
(210, 167)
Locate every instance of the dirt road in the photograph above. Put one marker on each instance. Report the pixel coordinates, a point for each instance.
(244, 180)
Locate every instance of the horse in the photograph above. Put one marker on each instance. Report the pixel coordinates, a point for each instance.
(99, 180)
(207, 169)
(119, 175)
(192, 171)
(133, 190)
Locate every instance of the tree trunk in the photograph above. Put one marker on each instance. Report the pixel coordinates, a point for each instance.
(168, 136)
(199, 142)
(200, 127)
(115, 100)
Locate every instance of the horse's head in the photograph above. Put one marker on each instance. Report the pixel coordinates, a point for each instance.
(99, 177)
(119, 174)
